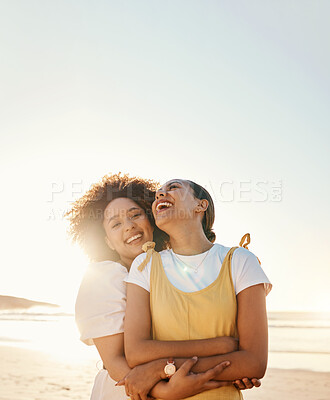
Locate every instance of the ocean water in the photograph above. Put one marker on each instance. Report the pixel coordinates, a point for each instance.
(296, 340)
(299, 340)
(49, 330)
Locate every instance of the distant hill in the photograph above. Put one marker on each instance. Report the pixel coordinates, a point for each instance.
(13, 303)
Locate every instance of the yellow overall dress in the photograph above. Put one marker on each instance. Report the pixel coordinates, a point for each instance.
(207, 313)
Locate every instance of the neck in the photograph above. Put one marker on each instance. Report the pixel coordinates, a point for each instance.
(189, 240)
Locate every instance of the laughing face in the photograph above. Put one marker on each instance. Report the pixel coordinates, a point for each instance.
(127, 228)
(175, 201)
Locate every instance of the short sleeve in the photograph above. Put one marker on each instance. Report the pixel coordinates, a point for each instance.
(140, 278)
(101, 301)
(246, 271)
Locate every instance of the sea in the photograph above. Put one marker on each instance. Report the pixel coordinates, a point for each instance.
(297, 340)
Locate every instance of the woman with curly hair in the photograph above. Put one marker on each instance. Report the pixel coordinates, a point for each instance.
(111, 222)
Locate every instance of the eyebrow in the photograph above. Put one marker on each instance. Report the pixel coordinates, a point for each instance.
(172, 182)
(116, 216)
(134, 208)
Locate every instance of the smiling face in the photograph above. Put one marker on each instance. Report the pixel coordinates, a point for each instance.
(127, 228)
(175, 201)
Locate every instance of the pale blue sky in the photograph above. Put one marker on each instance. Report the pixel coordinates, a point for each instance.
(213, 91)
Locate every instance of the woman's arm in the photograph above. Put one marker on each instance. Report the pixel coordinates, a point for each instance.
(250, 361)
(111, 350)
(182, 384)
(143, 378)
(251, 358)
(139, 346)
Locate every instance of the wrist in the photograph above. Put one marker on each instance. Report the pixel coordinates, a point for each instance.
(170, 368)
(159, 368)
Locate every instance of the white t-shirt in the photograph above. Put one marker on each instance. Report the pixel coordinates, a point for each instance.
(100, 311)
(193, 273)
(101, 301)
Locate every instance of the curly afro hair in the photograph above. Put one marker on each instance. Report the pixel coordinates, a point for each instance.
(86, 213)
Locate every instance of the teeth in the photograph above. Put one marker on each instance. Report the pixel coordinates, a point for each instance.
(133, 238)
(163, 204)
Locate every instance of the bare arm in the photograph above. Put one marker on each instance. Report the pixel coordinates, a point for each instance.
(139, 346)
(111, 350)
(250, 361)
(251, 358)
(143, 378)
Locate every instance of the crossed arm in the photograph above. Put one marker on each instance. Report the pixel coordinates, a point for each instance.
(147, 376)
(143, 378)
(111, 350)
(250, 360)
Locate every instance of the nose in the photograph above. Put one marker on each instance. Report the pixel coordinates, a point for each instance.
(160, 193)
(129, 224)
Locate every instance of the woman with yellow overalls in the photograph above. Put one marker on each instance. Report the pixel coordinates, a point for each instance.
(195, 291)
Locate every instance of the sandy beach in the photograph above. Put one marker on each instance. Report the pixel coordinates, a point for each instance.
(33, 375)
(27, 374)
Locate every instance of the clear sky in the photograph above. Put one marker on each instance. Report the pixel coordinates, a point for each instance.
(231, 94)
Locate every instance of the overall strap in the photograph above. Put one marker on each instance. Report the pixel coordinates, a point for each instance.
(248, 240)
(228, 258)
(149, 248)
(246, 237)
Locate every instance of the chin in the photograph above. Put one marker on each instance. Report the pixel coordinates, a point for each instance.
(163, 221)
(137, 250)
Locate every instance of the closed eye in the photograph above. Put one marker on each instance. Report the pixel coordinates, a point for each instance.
(136, 215)
(173, 186)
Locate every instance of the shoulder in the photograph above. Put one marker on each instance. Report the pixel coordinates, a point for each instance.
(107, 267)
(141, 258)
(242, 255)
(103, 283)
(240, 252)
(141, 277)
(104, 270)
(136, 263)
(245, 268)
(101, 279)
(247, 271)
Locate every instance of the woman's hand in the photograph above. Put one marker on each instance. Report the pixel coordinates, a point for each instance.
(246, 383)
(184, 383)
(141, 379)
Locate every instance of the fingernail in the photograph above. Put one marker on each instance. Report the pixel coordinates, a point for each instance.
(116, 384)
(227, 363)
(195, 358)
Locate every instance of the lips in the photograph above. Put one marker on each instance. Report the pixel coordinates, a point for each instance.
(132, 239)
(163, 205)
